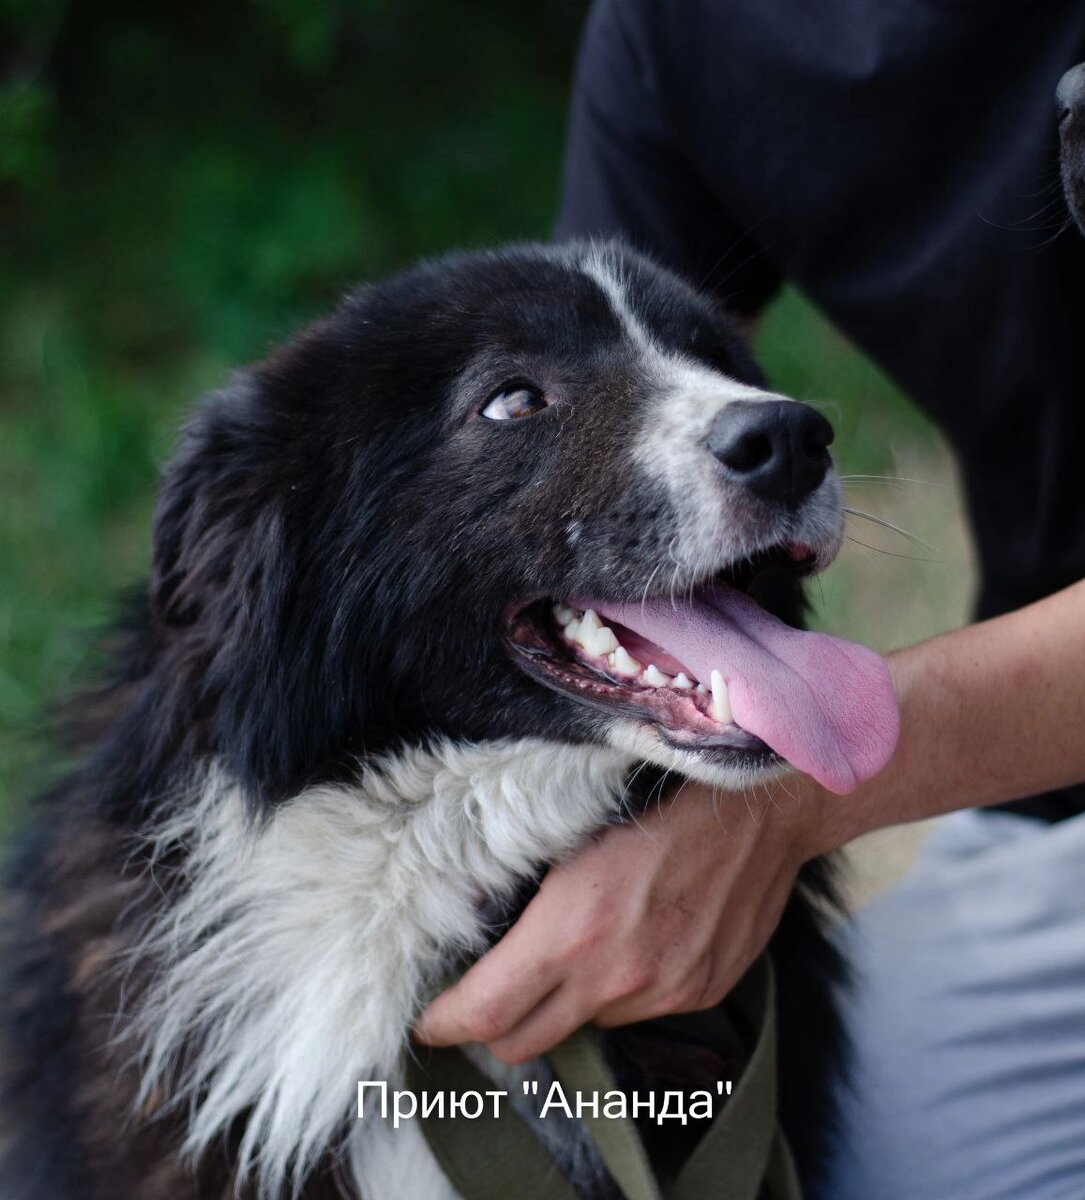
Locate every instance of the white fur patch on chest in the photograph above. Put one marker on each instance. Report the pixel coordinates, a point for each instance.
(294, 962)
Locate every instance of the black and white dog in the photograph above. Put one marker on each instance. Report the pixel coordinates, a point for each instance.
(430, 586)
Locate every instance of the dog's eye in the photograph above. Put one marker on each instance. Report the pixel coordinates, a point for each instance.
(514, 402)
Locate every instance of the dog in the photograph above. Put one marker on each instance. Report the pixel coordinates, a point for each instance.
(455, 578)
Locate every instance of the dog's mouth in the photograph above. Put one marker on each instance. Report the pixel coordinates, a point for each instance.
(716, 674)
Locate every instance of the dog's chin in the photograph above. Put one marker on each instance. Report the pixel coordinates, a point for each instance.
(720, 767)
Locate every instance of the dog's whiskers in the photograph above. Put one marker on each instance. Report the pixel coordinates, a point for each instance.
(911, 537)
(623, 799)
(647, 587)
(889, 479)
(890, 553)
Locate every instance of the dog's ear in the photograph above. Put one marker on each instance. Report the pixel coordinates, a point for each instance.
(211, 513)
(226, 593)
(271, 566)
(240, 459)
(260, 576)
(180, 527)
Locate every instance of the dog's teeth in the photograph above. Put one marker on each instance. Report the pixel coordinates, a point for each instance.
(594, 637)
(721, 702)
(587, 627)
(701, 690)
(584, 636)
(682, 680)
(588, 632)
(623, 663)
(590, 620)
(604, 641)
(654, 677)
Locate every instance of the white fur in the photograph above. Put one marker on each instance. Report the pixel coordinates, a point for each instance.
(716, 522)
(303, 947)
(392, 1164)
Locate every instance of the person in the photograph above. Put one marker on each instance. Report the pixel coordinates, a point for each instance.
(888, 160)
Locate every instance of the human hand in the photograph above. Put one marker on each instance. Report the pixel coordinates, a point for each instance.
(659, 916)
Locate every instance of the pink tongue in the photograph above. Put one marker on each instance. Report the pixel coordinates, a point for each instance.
(825, 705)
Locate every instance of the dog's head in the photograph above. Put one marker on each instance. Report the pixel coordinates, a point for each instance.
(530, 492)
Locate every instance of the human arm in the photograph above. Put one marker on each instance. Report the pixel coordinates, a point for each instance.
(665, 915)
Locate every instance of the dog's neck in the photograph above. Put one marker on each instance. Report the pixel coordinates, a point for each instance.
(293, 963)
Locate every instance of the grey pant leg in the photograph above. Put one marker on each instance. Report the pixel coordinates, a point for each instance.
(968, 1019)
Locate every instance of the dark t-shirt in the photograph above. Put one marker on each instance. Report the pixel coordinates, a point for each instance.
(897, 161)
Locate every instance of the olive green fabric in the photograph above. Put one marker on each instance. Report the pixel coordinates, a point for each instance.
(742, 1156)
(578, 1062)
(489, 1158)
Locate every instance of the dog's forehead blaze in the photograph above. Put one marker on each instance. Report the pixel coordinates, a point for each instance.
(551, 301)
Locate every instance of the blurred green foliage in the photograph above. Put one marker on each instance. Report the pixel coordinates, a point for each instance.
(182, 184)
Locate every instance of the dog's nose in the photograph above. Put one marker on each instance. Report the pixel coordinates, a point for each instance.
(779, 449)
(1070, 94)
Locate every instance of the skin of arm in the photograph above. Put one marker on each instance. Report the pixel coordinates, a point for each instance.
(666, 914)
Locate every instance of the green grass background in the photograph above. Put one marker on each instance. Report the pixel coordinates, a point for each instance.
(182, 184)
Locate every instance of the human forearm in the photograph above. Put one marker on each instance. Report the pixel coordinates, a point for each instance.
(989, 713)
